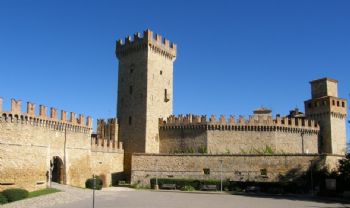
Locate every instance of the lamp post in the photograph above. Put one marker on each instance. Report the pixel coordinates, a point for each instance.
(221, 175)
(156, 187)
(93, 191)
(311, 177)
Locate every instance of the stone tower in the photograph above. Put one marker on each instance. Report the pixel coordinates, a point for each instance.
(145, 89)
(330, 111)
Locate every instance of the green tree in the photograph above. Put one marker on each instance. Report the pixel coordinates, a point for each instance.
(344, 170)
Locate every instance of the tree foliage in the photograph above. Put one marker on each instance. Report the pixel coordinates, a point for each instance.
(344, 168)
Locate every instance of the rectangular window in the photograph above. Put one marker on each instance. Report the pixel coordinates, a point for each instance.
(206, 171)
(166, 96)
(343, 104)
(130, 90)
(338, 104)
(130, 120)
(333, 102)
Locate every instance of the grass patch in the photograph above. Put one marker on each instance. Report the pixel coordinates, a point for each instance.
(42, 192)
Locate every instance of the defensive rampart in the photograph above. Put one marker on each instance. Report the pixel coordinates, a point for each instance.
(279, 167)
(241, 136)
(31, 145)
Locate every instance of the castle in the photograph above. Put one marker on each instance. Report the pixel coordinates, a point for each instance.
(146, 140)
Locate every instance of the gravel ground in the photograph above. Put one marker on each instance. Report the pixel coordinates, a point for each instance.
(112, 197)
(68, 194)
(170, 199)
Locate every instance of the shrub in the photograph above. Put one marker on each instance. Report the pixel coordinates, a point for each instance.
(15, 194)
(3, 199)
(187, 188)
(89, 183)
(180, 183)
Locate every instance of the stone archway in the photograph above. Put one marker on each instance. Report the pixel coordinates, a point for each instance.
(57, 170)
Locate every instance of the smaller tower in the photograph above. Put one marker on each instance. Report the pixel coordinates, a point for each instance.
(329, 111)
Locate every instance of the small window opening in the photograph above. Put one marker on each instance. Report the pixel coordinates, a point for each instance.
(263, 172)
(161, 72)
(343, 104)
(130, 90)
(309, 105)
(132, 67)
(166, 96)
(338, 104)
(333, 102)
(130, 120)
(206, 171)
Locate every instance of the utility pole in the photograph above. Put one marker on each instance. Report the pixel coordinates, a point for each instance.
(156, 187)
(312, 179)
(93, 191)
(221, 161)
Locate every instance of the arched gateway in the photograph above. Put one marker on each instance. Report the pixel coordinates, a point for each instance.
(57, 170)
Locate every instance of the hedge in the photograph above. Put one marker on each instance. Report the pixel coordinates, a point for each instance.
(15, 194)
(89, 183)
(3, 199)
(181, 183)
(268, 187)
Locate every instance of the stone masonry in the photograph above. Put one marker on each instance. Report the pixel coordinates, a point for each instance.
(145, 89)
(232, 167)
(330, 112)
(259, 148)
(30, 143)
(258, 134)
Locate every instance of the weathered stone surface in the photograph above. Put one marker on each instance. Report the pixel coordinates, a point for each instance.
(330, 112)
(250, 136)
(234, 167)
(28, 143)
(145, 89)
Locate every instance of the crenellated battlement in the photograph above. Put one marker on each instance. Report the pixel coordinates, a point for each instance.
(106, 137)
(150, 40)
(254, 123)
(15, 115)
(105, 145)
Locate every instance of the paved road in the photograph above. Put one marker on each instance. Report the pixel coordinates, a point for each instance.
(148, 199)
(128, 198)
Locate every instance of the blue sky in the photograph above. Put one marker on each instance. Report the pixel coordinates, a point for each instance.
(233, 56)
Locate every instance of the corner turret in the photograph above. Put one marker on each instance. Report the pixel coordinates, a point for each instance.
(330, 112)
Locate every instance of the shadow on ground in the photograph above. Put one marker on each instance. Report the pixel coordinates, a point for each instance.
(345, 202)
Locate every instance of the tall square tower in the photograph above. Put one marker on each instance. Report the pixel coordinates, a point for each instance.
(145, 89)
(330, 111)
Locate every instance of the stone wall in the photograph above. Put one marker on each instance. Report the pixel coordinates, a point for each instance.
(28, 143)
(282, 135)
(179, 139)
(240, 142)
(107, 165)
(234, 167)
